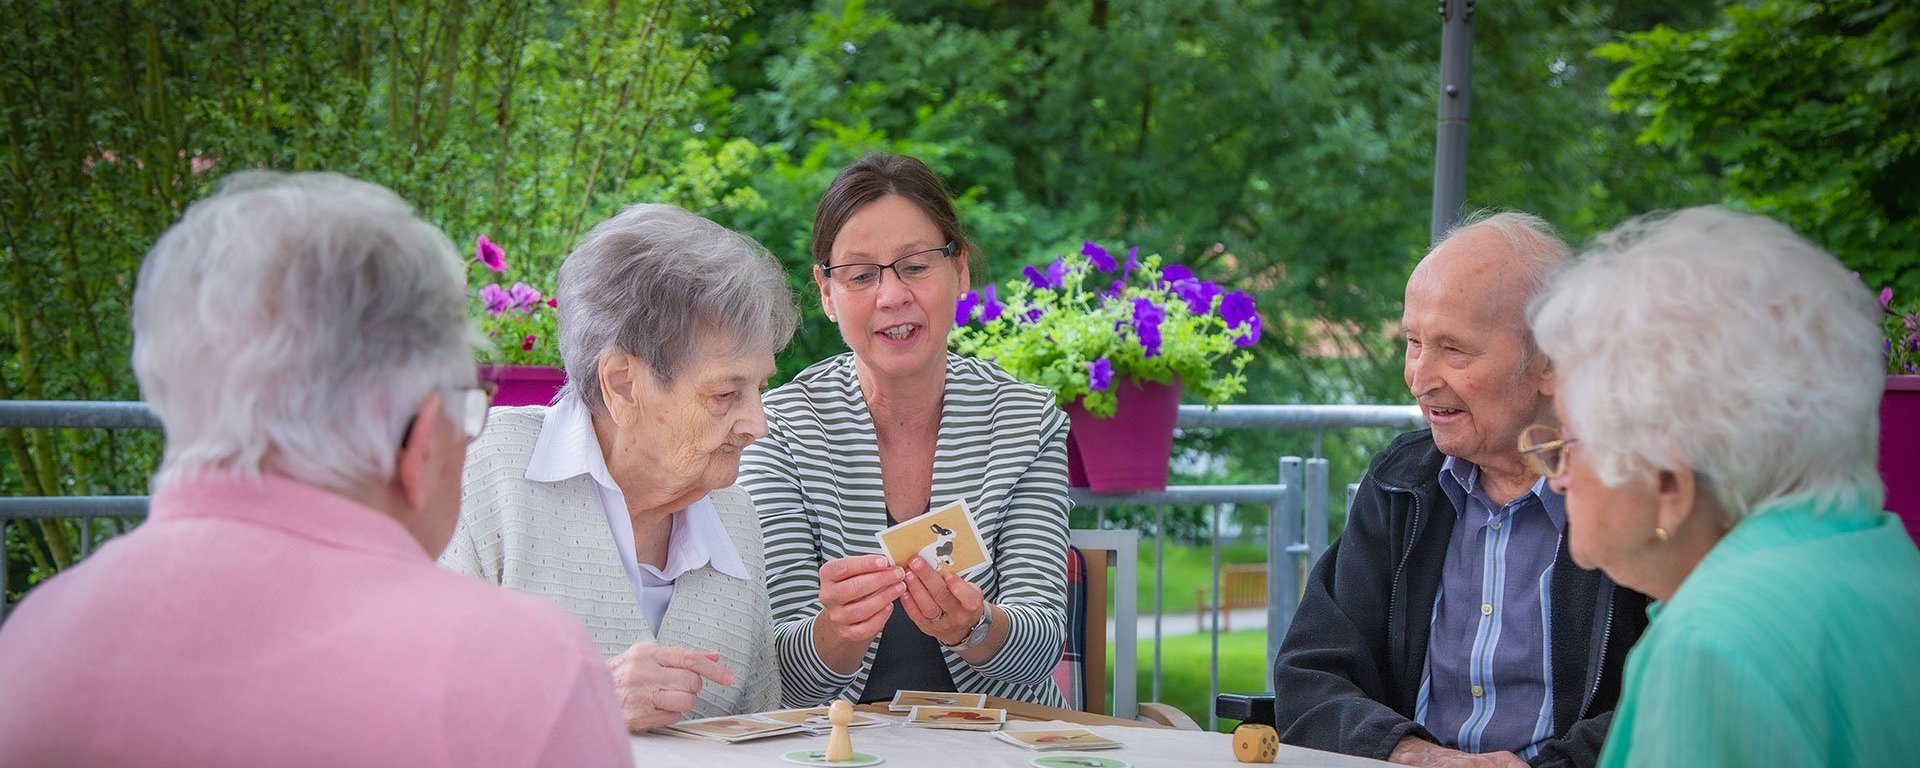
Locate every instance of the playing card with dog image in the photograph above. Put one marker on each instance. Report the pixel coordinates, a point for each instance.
(946, 538)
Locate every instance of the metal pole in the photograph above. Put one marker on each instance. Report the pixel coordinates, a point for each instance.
(1159, 588)
(1317, 492)
(1213, 668)
(1450, 142)
(1279, 534)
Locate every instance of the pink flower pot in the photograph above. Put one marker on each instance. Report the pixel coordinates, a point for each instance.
(1130, 451)
(1900, 448)
(523, 384)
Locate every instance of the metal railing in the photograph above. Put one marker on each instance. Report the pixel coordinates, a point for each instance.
(1297, 518)
(1296, 522)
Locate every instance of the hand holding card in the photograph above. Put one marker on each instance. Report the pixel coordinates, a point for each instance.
(947, 539)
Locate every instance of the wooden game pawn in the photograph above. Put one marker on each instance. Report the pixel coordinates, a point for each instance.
(840, 742)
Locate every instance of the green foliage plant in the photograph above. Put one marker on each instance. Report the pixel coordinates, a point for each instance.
(1086, 319)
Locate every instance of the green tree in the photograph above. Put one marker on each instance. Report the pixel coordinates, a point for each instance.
(1812, 108)
(523, 121)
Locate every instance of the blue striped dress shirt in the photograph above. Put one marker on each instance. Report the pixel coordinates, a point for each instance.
(1488, 684)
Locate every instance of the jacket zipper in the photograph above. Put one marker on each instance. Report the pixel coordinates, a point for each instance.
(1600, 664)
(1405, 556)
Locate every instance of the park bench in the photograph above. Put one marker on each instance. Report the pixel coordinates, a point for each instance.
(1241, 586)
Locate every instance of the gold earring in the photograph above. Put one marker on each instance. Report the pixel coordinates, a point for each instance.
(1661, 534)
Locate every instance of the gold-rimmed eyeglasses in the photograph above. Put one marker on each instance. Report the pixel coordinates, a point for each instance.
(911, 268)
(1545, 450)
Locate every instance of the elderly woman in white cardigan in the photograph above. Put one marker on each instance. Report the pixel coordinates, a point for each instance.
(618, 501)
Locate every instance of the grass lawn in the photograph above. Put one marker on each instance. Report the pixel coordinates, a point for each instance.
(1183, 672)
(1189, 566)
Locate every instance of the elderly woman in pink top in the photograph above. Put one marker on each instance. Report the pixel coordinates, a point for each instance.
(304, 341)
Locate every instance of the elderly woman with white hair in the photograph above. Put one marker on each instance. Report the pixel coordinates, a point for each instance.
(303, 339)
(1718, 381)
(618, 502)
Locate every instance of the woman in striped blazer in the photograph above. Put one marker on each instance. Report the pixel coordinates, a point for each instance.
(879, 435)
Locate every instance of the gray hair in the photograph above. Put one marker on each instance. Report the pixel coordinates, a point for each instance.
(657, 282)
(1726, 341)
(1536, 242)
(293, 323)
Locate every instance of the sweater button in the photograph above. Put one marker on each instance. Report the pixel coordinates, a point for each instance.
(1479, 691)
(1486, 609)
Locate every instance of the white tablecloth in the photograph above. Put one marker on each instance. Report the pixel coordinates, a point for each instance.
(916, 747)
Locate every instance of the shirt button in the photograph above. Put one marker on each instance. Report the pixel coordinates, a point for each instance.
(1486, 609)
(1478, 691)
(1496, 526)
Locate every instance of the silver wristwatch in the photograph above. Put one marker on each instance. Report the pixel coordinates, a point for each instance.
(977, 635)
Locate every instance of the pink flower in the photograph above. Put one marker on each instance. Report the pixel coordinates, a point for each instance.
(495, 298)
(524, 296)
(1886, 297)
(485, 252)
(526, 344)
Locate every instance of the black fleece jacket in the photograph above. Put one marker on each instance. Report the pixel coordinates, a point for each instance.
(1349, 670)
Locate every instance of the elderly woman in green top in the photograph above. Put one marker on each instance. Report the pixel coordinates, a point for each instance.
(1718, 380)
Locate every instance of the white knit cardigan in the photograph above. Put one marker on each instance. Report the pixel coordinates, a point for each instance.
(551, 539)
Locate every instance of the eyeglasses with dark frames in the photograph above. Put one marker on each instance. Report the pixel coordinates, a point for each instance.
(1545, 450)
(912, 268)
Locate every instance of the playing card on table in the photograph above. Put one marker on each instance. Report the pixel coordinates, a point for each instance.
(728, 729)
(957, 718)
(1062, 738)
(814, 721)
(946, 538)
(904, 701)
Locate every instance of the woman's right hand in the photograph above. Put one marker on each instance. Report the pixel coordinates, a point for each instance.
(856, 599)
(656, 684)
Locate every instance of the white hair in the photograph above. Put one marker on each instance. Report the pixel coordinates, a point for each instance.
(1725, 341)
(1542, 253)
(292, 324)
(657, 282)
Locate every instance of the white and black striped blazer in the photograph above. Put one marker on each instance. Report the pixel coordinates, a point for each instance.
(815, 481)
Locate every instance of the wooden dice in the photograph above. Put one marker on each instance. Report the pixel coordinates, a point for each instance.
(1255, 743)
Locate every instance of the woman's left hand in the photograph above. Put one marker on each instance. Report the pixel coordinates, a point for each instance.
(944, 607)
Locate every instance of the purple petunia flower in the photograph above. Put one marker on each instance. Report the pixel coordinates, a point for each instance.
(1114, 291)
(1147, 317)
(1053, 278)
(990, 307)
(1032, 315)
(963, 312)
(495, 298)
(1174, 273)
(1100, 375)
(1198, 294)
(1238, 310)
(485, 252)
(1133, 263)
(1102, 260)
(524, 296)
(526, 344)
(1886, 297)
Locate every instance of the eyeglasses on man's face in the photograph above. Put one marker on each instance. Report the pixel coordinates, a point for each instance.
(912, 268)
(1545, 450)
(465, 406)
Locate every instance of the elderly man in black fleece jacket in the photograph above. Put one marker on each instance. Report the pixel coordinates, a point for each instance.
(1447, 626)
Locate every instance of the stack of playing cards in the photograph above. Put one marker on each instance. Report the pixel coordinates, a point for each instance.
(728, 729)
(946, 538)
(813, 721)
(905, 701)
(957, 718)
(1077, 739)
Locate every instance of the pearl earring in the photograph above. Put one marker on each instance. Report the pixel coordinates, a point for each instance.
(1661, 534)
